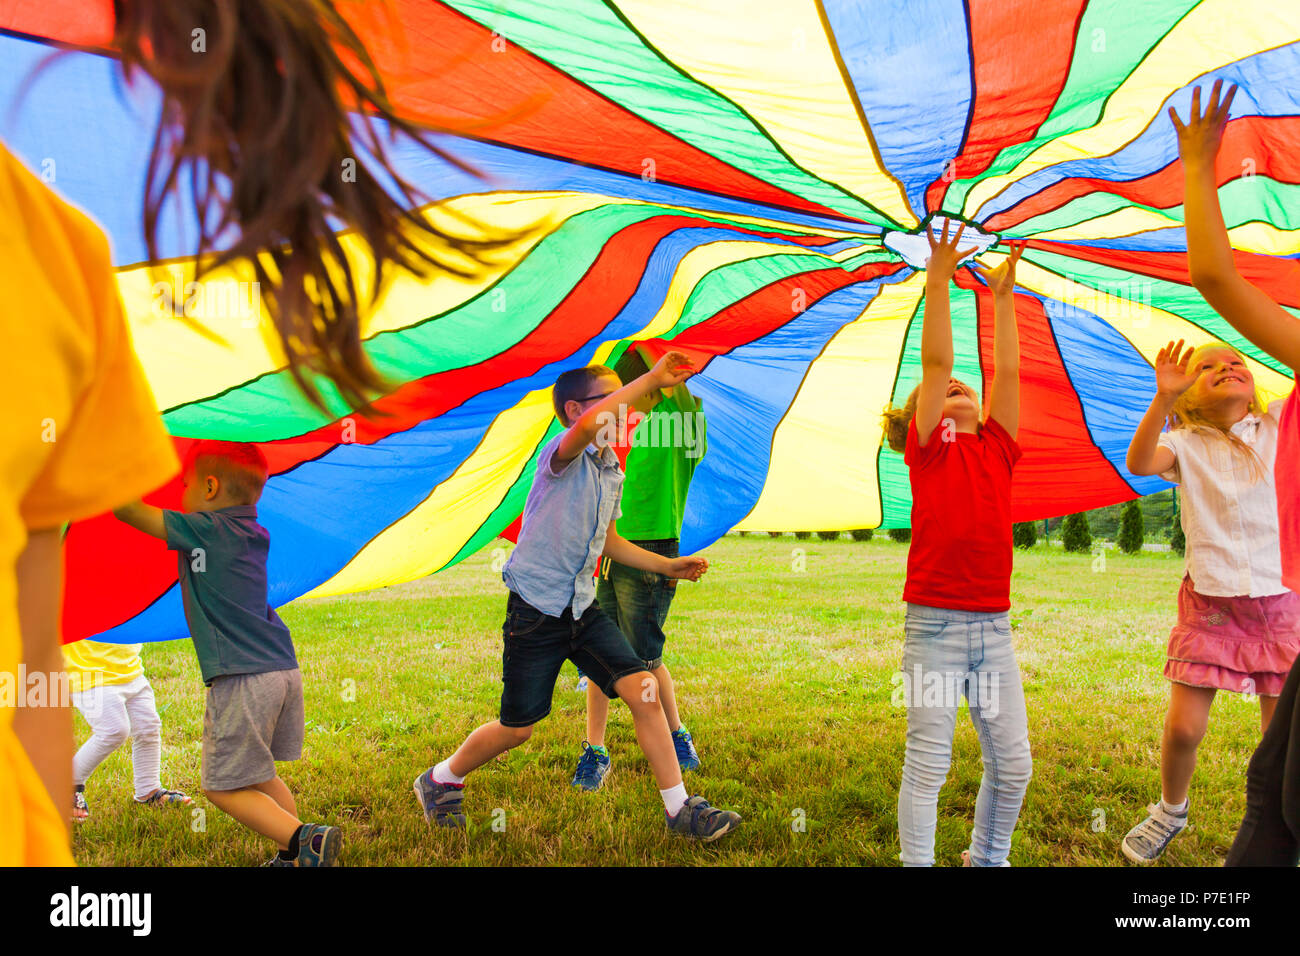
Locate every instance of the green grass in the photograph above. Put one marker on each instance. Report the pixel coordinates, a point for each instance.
(784, 679)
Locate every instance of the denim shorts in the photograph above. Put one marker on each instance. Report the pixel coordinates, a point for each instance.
(638, 601)
(536, 647)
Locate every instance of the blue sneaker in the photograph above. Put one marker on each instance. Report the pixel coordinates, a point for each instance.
(439, 801)
(686, 755)
(318, 845)
(592, 767)
(696, 820)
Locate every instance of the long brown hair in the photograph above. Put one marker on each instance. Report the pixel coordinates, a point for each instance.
(260, 123)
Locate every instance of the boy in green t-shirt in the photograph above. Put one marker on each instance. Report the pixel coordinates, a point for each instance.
(665, 449)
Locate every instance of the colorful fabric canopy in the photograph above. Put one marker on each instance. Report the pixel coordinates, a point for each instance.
(742, 180)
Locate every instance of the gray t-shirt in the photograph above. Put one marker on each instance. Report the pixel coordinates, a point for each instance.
(222, 561)
(563, 532)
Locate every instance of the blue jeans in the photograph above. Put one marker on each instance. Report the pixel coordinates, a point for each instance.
(949, 654)
(638, 601)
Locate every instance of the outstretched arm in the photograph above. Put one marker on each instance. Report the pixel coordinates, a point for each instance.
(1004, 392)
(619, 549)
(1146, 456)
(672, 368)
(936, 331)
(142, 517)
(1209, 254)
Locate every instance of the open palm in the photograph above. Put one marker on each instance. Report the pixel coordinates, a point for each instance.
(1172, 374)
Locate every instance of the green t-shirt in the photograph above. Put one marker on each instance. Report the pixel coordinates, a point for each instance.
(666, 447)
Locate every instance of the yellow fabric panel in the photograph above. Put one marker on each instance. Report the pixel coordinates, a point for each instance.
(775, 62)
(429, 536)
(824, 451)
(1260, 237)
(1216, 31)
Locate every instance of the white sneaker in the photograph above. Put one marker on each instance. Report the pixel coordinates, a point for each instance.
(1146, 841)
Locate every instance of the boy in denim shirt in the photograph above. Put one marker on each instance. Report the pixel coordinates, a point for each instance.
(254, 711)
(551, 615)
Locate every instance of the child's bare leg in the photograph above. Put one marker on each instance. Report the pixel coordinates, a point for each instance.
(277, 790)
(258, 811)
(641, 693)
(597, 714)
(484, 744)
(1266, 707)
(1185, 723)
(667, 696)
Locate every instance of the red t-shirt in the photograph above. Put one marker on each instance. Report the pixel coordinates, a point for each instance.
(1286, 479)
(961, 519)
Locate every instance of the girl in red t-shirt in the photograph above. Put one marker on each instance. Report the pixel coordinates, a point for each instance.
(959, 572)
(1270, 831)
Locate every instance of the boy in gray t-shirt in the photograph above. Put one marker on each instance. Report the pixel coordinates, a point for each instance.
(254, 711)
(552, 615)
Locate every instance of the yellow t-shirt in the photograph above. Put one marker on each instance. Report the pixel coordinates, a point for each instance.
(80, 434)
(94, 664)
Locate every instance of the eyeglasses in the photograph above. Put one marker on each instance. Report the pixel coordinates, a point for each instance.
(593, 397)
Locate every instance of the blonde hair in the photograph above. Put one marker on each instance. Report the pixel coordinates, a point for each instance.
(1186, 414)
(895, 421)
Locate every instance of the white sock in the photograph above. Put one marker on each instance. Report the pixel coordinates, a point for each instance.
(442, 773)
(674, 798)
(1178, 810)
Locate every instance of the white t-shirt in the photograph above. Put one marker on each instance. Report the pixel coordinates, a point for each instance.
(1230, 520)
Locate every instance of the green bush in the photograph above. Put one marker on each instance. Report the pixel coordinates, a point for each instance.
(862, 534)
(901, 535)
(1075, 534)
(1177, 540)
(828, 535)
(1129, 538)
(803, 535)
(1024, 534)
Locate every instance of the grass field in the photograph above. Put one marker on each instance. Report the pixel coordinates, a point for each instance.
(784, 680)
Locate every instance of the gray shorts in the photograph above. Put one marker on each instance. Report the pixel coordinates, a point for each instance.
(250, 722)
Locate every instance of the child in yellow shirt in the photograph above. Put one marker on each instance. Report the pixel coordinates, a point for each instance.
(109, 688)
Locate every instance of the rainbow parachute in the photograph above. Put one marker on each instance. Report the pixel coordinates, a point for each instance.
(745, 180)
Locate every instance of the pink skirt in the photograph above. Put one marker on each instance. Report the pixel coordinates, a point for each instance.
(1241, 644)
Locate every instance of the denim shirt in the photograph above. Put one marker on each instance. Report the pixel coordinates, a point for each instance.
(563, 532)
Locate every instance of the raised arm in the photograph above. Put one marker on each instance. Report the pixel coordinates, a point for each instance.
(1209, 254)
(1004, 391)
(936, 330)
(142, 517)
(1146, 456)
(672, 368)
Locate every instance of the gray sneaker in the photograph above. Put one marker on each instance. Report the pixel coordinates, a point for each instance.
(1146, 841)
(696, 820)
(439, 801)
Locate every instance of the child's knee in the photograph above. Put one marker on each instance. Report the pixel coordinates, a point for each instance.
(641, 692)
(1184, 731)
(113, 736)
(517, 735)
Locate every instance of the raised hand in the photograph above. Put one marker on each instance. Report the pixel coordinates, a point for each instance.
(944, 254)
(1002, 279)
(1172, 374)
(673, 368)
(1199, 138)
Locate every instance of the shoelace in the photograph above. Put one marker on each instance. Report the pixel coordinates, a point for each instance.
(587, 764)
(1163, 831)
